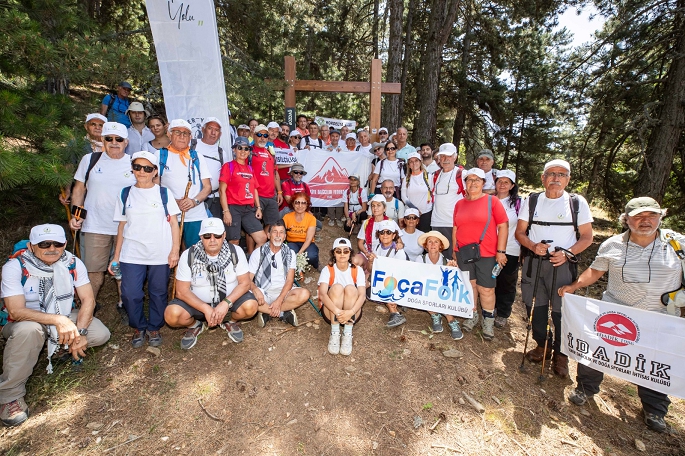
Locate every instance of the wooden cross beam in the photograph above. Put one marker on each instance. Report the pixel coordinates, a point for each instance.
(374, 88)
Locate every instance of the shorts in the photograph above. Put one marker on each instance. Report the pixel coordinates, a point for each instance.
(96, 250)
(325, 318)
(191, 233)
(269, 210)
(196, 314)
(270, 297)
(481, 270)
(243, 218)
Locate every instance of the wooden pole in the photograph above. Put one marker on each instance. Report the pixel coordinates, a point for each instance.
(290, 112)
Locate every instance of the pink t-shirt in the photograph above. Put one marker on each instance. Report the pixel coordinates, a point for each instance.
(470, 218)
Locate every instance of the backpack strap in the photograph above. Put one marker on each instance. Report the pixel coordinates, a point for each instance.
(234, 255)
(489, 218)
(124, 196)
(94, 158)
(163, 156)
(354, 273)
(575, 209)
(460, 182)
(195, 160)
(112, 99)
(517, 205)
(162, 193)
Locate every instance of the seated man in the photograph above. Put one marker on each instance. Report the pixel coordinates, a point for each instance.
(38, 289)
(272, 269)
(212, 287)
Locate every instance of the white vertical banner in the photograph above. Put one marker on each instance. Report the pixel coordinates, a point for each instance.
(189, 58)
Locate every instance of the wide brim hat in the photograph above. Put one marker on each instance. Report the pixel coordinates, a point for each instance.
(436, 234)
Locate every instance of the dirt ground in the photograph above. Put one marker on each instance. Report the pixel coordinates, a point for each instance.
(281, 393)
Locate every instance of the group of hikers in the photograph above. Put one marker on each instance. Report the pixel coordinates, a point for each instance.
(149, 199)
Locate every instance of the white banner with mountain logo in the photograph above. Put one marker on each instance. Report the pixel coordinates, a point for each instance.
(328, 172)
(636, 345)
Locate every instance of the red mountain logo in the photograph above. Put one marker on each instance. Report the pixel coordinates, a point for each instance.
(329, 182)
(617, 329)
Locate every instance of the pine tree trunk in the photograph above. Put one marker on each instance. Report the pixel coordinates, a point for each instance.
(408, 45)
(390, 114)
(462, 95)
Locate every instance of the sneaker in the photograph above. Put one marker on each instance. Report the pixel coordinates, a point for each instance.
(123, 315)
(654, 422)
(500, 322)
(263, 319)
(396, 319)
(14, 413)
(579, 397)
(346, 345)
(190, 337)
(455, 331)
(339, 223)
(233, 330)
(289, 317)
(154, 338)
(471, 322)
(436, 323)
(334, 343)
(331, 222)
(488, 328)
(138, 338)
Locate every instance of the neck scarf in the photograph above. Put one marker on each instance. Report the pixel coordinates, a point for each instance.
(368, 233)
(55, 291)
(263, 275)
(183, 154)
(215, 269)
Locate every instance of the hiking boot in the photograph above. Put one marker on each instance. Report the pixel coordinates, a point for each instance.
(579, 397)
(263, 319)
(346, 344)
(233, 330)
(653, 422)
(535, 355)
(500, 322)
(436, 323)
(138, 338)
(154, 338)
(331, 222)
(471, 322)
(14, 413)
(455, 331)
(488, 328)
(334, 343)
(289, 317)
(190, 337)
(396, 319)
(560, 365)
(123, 315)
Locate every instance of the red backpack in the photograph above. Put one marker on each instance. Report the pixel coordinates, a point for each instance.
(458, 178)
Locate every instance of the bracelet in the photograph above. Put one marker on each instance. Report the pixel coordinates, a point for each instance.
(224, 211)
(280, 193)
(502, 251)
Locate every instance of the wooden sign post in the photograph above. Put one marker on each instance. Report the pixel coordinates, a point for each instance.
(374, 88)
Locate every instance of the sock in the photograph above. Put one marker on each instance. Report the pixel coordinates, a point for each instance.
(487, 314)
(348, 330)
(280, 315)
(335, 328)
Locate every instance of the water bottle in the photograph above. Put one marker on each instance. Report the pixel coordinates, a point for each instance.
(116, 269)
(496, 270)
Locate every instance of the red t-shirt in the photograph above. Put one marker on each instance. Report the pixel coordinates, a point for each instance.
(470, 218)
(290, 187)
(240, 184)
(264, 165)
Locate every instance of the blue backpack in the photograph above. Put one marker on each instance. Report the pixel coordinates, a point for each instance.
(162, 192)
(164, 155)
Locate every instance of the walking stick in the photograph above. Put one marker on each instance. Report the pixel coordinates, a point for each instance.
(541, 378)
(180, 235)
(74, 250)
(309, 299)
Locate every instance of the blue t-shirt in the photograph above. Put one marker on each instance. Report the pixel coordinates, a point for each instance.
(117, 113)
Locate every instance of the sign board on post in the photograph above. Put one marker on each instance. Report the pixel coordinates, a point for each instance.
(290, 118)
(335, 123)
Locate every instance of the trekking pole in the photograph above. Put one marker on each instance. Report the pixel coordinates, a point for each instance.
(180, 235)
(541, 378)
(309, 299)
(78, 211)
(532, 309)
(66, 209)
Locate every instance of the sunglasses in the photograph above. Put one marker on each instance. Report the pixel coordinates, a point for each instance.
(298, 172)
(114, 138)
(47, 244)
(243, 148)
(300, 202)
(262, 135)
(390, 148)
(273, 262)
(147, 169)
(385, 232)
(342, 251)
(411, 217)
(297, 137)
(211, 235)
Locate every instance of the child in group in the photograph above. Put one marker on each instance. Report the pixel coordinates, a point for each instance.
(355, 200)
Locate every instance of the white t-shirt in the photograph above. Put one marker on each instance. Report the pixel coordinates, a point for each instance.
(362, 233)
(175, 178)
(104, 185)
(513, 246)
(211, 156)
(356, 199)
(344, 278)
(11, 282)
(365, 149)
(147, 233)
(426, 260)
(199, 284)
(137, 141)
(555, 210)
(446, 194)
(391, 171)
(150, 148)
(277, 275)
(433, 167)
(390, 252)
(312, 143)
(490, 180)
(411, 243)
(417, 193)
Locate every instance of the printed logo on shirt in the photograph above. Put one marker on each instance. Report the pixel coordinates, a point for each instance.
(248, 194)
(245, 175)
(264, 171)
(98, 170)
(127, 174)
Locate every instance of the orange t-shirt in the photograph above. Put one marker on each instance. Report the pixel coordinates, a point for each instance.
(297, 231)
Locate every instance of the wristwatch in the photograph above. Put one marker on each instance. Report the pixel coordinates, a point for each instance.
(197, 201)
(83, 332)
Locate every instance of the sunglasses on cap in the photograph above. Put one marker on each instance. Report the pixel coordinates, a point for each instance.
(382, 232)
(297, 172)
(147, 169)
(342, 251)
(113, 138)
(212, 235)
(47, 244)
(262, 135)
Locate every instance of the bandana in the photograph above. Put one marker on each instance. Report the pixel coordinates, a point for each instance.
(183, 155)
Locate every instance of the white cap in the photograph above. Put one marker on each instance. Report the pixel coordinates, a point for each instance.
(558, 162)
(273, 124)
(95, 115)
(212, 119)
(412, 211)
(475, 172)
(351, 135)
(359, 130)
(212, 225)
(342, 242)
(179, 123)
(242, 127)
(378, 198)
(47, 232)
(506, 173)
(295, 132)
(114, 128)
(447, 149)
(137, 106)
(388, 225)
(414, 155)
(382, 129)
(152, 158)
(261, 127)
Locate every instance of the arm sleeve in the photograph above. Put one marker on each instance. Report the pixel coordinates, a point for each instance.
(523, 210)
(11, 279)
(364, 196)
(82, 168)
(172, 205)
(325, 275)
(293, 259)
(499, 215)
(253, 264)
(242, 267)
(183, 270)
(361, 278)
(118, 208)
(203, 167)
(225, 174)
(81, 274)
(584, 215)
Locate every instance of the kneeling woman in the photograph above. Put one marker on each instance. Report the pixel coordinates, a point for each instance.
(342, 292)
